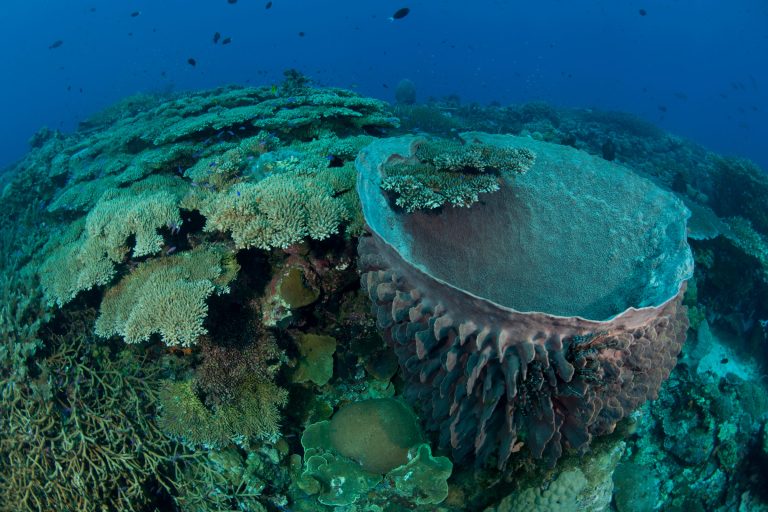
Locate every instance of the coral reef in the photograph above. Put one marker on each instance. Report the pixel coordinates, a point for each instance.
(219, 228)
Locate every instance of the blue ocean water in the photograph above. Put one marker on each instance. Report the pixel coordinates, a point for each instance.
(696, 69)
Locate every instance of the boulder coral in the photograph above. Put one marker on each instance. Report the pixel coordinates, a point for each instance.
(538, 318)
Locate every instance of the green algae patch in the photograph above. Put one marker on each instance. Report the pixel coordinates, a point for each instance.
(376, 433)
(294, 289)
(316, 359)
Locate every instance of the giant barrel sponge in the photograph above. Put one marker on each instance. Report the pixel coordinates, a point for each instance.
(538, 317)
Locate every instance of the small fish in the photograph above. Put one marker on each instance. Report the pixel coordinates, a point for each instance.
(642, 12)
(226, 40)
(135, 13)
(231, 1)
(663, 108)
(192, 62)
(301, 34)
(216, 37)
(724, 360)
(268, 6)
(238, 193)
(55, 44)
(400, 14)
(273, 89)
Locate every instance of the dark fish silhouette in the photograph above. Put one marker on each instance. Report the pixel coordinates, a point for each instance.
(216, 37)
(135, 13)
(56, 44)
(268, 6)
(400, 13)
(301, 34)
(231, 1)
(192, 62)
(642, 12)
(226, 40)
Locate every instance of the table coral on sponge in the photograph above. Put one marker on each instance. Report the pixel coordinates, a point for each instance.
(538, 317)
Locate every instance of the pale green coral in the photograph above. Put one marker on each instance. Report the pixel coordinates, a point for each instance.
(73, 266)
(444, 172)
(424, 479)
(254, 414)
(86, 255)
(167, 296)
(276, 212)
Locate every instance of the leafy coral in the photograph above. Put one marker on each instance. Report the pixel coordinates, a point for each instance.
(423, 478)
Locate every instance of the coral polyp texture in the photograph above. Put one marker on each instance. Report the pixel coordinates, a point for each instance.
(537, 318)
(445, 171)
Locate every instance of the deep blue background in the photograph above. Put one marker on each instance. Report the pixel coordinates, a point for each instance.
(704, 61)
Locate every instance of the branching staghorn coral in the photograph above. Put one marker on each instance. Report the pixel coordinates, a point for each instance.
(80, 435)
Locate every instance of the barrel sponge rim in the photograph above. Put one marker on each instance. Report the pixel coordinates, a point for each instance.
(369, 163)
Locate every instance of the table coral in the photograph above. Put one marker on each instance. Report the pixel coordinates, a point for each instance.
(167, 296)
(88, 253)
(444, 172)
(276, 212)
